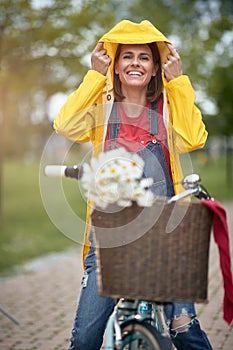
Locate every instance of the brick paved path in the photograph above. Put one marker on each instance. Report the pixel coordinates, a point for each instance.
(44, 298)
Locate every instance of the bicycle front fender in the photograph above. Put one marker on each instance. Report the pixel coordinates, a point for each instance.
(112, 333)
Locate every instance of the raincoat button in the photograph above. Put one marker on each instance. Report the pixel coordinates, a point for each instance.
(109, 97)
(154, 141)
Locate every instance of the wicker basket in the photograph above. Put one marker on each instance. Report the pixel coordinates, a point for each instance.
(158, 253)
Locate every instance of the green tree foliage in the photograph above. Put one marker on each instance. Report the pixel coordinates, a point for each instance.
(222, 91)
(43, 50)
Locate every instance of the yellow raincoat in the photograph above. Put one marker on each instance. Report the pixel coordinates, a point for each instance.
(81, 121)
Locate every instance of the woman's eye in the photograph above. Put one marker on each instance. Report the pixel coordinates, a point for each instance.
(144, 58)
(127, 57)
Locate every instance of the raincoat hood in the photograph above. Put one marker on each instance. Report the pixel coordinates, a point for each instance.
(127, 32)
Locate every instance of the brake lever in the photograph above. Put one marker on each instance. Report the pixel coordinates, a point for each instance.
(184, 194)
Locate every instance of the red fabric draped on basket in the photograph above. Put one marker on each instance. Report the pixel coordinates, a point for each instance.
(221, 236)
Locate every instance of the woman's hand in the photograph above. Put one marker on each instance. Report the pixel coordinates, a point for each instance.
(100, 61)
(173, 66)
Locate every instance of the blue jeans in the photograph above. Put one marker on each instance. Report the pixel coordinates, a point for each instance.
(93, 313)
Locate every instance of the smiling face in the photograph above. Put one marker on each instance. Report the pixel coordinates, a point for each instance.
(135, 66)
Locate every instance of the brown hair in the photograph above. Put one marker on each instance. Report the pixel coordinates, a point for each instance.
(155, 85)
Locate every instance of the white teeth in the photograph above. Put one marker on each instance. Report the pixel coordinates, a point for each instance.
(135, 73)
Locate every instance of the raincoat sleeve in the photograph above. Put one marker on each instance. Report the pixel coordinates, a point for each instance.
(185, 117)
(76, 119)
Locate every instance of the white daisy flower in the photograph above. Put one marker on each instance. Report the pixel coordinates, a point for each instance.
(116, 177)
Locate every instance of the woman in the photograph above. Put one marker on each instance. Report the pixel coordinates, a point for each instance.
(135, 69)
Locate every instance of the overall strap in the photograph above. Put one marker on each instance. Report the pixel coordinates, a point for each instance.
(114, 122)
(153, 118)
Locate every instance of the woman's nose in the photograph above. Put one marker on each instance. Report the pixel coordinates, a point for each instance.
(135, 61)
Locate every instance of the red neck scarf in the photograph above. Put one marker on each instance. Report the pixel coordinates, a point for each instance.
(221, 236)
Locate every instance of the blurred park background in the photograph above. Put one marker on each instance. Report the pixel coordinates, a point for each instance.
(45, 50)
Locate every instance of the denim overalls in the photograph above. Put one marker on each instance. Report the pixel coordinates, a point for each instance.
(93, 311)
(155, 164)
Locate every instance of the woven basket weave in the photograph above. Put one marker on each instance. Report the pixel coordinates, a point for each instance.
(158, 253)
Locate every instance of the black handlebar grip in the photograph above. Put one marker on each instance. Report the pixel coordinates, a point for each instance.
(75, 171)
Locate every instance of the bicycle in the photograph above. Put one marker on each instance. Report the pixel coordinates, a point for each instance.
(137, 323)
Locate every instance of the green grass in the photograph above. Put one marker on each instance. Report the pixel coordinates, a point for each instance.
(26, 228)
(213, 175)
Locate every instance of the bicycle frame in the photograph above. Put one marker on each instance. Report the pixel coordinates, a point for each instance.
(127, 310)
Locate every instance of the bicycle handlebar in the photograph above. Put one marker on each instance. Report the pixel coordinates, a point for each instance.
(191, 183)
(75, 171)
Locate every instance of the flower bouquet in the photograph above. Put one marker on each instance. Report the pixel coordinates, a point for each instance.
(116, 176)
